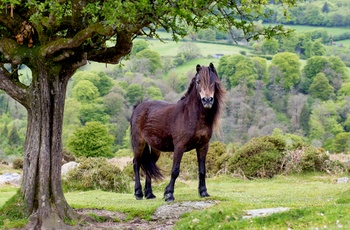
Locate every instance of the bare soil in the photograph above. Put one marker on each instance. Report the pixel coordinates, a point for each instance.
(164, 217)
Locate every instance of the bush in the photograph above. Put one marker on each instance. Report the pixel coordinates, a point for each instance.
(17, 163)
(97, 173)
(260, 157)
(310, 159)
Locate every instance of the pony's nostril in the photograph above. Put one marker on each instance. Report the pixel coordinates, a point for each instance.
(211, 99)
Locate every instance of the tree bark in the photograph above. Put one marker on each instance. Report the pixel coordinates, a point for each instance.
(42, 185)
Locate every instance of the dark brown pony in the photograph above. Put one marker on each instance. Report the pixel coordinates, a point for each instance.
(160, 126)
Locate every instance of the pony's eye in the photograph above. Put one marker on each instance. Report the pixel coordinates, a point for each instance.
(198, 81)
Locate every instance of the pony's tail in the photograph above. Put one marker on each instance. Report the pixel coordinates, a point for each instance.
(148, 163)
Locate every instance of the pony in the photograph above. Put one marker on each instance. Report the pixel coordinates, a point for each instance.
(159, 126)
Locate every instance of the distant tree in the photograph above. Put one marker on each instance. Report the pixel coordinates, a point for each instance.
(153, 57)
(344, 90)
(154, 93)
(260, 65)
(207, 34)
(314, 65)
(305, 118)
(104, 84)
(14, 139)
(325, 8)
(318, 49)
(341, 143)
(134, 93)
(238, 69)
(324, 121)
(289, 73)
(290, 43)
(270, 46)
(85, 91)
(320, 88)
(189, 51)
(138, 46)
(176, 82)
(92, 140)
(93, 112)
(295, 106)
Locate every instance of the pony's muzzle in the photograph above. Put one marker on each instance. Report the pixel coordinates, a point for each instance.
(207, 102)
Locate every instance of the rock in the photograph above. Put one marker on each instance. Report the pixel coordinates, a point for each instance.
(10, 178)
(68, 167)
(343, 180)
(175, 210)
(263, 212)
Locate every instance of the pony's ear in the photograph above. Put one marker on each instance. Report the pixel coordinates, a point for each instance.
(211, 65)
(198, 67)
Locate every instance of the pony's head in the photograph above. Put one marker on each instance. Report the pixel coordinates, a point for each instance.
(205, 81)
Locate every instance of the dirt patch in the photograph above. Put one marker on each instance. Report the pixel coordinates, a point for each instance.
(164, 217)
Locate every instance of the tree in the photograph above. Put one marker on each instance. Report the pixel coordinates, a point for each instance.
(55, 38)
(139, 46)
(189, 51)
(85, 91)
(270, 46)
(288, 74)
(320, 88)
(153, 57)
(237, 69)
(91, 140)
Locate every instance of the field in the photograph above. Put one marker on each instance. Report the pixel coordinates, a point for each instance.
(315, 201)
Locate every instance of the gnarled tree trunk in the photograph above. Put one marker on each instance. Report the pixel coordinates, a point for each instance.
(41, 186)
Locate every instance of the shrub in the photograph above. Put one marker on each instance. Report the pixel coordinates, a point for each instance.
(310, 159)
(260, 157)
(97, 173)
(17, 163)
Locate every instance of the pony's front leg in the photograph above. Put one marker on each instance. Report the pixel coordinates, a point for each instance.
(201, 157)
(175, 171)
(138, 187)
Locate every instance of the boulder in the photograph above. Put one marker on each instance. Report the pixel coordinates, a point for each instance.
(68, 167)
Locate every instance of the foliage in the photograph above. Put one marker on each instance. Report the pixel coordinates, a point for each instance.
(153, 57)
(17, 163)
(270, 46)
(237, 69)
(92, 140)
(260, 157)
(287, 73)
(85, 91)
(138, 46)
(189, 51)
(320, 88)
(97, 173)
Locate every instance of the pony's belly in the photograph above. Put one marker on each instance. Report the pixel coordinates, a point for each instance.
(164, 145)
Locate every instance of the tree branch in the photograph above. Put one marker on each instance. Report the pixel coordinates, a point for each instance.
(112, 55)
(77, 40)
(14, 89)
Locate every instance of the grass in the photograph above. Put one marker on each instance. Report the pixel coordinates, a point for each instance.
(314, 200)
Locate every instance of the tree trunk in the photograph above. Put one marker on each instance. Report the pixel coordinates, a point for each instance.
(42, 185)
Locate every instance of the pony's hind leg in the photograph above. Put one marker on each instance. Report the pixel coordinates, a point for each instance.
(148, 185)
(138, 187)
(138, 147)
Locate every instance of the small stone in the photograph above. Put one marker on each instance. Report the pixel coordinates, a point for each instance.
(343, 180)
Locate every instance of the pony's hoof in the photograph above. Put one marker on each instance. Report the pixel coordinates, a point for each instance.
(150, 196)
(139, 196)
(204, 194)
(169, 197)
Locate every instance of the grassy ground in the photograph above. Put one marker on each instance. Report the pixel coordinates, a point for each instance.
(315, 201)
